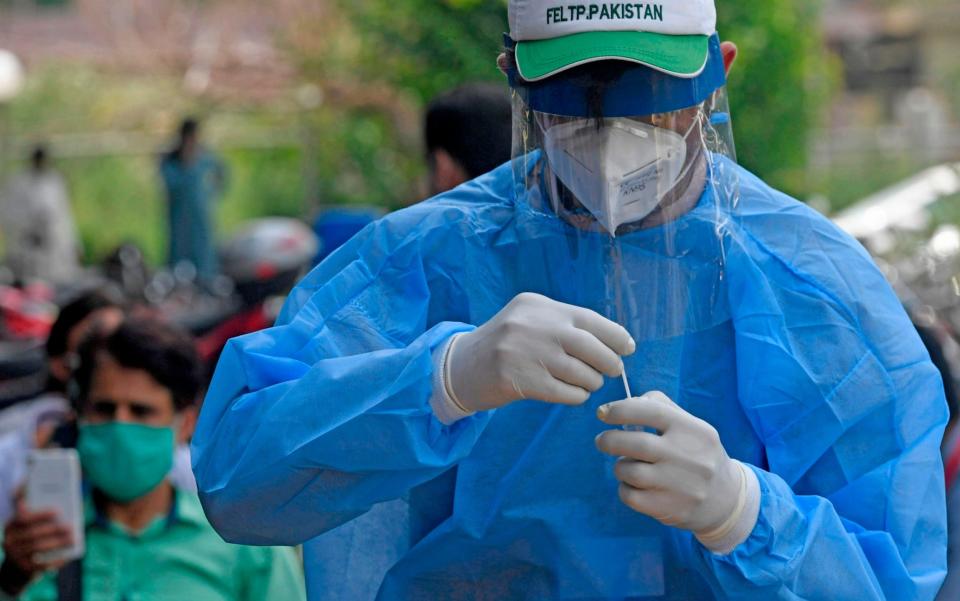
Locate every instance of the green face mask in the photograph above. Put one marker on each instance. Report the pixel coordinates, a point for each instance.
(125, 460)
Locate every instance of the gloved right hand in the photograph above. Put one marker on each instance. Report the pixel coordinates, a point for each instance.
(535, 348)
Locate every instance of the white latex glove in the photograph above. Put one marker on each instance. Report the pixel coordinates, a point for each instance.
(681, 476)
(534, 348)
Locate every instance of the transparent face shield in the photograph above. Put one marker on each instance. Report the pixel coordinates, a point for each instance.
(643, 195)
(621, 173)
(585, 155)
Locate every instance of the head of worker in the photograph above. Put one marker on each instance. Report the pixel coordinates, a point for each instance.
(620, 114)
(135, 395)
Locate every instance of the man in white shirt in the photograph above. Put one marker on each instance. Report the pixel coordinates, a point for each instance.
(37, 224)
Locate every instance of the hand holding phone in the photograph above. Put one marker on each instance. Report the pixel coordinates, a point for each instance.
(53, 484)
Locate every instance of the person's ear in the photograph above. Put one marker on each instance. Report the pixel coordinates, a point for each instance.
(729, 52)
(447, 173)
(58, 368)
(503, 63)
(188, 421)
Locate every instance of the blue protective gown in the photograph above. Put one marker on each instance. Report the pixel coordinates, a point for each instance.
(192, 191)
(319, 430)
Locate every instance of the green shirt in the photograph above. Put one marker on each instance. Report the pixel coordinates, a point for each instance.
(176, 557)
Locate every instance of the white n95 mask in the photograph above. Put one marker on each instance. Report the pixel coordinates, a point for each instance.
(619, 171)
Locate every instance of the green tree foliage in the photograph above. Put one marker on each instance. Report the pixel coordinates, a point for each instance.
(428, 46)
(378, 63)
(777, 86)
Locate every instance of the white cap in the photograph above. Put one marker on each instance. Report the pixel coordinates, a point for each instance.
(670, 36)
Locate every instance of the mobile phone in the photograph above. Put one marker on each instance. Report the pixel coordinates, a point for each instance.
(53, 482)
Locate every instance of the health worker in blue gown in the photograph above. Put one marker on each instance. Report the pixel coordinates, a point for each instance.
(618, 367)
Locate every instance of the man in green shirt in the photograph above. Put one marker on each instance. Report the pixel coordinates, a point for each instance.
(135, 390)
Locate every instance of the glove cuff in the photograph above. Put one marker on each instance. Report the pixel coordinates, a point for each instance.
(727, 536)
(446, 407)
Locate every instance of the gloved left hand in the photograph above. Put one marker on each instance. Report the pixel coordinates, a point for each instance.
(682, 475)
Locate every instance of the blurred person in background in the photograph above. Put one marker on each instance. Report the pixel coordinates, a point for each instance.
(98, 309)
(37, 224)
(45, 420)
(136, 390)
(194, 178)
(467, 132)
(48, 420)
(78, 317)
(942, 346)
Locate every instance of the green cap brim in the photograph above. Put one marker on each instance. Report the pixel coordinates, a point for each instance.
(677, 55)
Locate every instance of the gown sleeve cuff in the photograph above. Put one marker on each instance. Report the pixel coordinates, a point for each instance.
(742, 523)
(443, 402)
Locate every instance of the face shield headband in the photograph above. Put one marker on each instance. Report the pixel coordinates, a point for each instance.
(564, 94)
